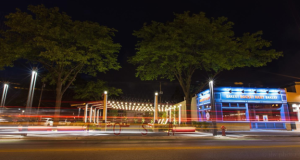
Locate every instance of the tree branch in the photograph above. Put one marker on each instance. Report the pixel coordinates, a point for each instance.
(50, 67)
(70, 72)
(68, 85)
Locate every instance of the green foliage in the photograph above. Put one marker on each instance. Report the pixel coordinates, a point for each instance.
(143, 120)
(175, 50)
(7, 56)
(113, 113)
(164, 115)
(94, 90)
(64, 47)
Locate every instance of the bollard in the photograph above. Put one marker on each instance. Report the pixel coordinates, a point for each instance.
(223, 130)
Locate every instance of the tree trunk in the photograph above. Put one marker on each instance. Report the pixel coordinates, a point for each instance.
(58, 101)
(188, 102)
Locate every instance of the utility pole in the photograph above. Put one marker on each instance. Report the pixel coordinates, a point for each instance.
(213, 108)
(43, 86)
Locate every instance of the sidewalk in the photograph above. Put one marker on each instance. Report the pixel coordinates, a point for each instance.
(108, 135)
(264, 133)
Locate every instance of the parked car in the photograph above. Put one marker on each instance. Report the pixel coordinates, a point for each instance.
(46, 122)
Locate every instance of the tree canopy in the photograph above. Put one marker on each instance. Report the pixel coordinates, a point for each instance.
(63, 46)
(175, 50)
(94, 90)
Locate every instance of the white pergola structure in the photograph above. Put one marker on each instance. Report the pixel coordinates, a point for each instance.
(92, 110)
(136, 106)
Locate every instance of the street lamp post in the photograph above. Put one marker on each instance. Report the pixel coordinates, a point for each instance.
(31, 92)
(105, 107)
(5, 88)
(155, 107)
(213, 108)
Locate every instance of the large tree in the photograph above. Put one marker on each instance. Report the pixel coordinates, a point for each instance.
(176, 49)
(63, 46)
(94, 90)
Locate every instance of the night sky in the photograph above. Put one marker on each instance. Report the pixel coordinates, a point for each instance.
(279, 21)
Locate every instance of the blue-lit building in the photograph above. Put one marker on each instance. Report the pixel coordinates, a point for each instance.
(256, 108)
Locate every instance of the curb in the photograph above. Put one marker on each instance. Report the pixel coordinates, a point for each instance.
(140, 137)
(274, 136)
(117, 138)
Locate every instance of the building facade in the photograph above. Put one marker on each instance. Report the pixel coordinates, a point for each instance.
(246, 108)
(293, 100)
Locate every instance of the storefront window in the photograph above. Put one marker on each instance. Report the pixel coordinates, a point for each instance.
(234, 115)
(205, 115)
(264, 112)
(233, 105)
(242, 105)
(225, 104)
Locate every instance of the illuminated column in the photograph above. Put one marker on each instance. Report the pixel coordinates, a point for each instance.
(104, 118)
(78, 113)
(155, 107)
(98, 115)
(95, 110)
(5, 87)
(174, 114)
(31, 92)
(85, 113)
(179, 114)
(213, 108)
(91, 114)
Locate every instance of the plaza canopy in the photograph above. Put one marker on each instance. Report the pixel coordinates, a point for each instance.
(95, 106)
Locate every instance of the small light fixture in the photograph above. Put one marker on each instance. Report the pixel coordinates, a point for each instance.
(229, 91)
(267, 91)
(243, 91)
(278, 92)
(201, 94)
(255, 91)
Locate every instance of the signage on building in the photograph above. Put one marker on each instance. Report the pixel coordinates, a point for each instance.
(296, 107)
(204, 99)
(229, 96)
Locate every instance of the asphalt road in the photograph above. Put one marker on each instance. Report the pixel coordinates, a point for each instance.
(273, 148)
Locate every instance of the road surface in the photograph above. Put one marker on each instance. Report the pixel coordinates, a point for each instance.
(273, 148)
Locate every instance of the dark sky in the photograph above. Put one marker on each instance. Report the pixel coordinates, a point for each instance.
(279, 21)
